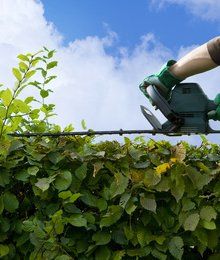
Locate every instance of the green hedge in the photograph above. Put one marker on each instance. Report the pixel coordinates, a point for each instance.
(72, 198)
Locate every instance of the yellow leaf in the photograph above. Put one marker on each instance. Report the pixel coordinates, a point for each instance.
(136, 175)
(162, 168)
(173, 160)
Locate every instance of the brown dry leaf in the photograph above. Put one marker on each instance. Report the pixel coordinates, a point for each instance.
(179, 152)
(97, 166)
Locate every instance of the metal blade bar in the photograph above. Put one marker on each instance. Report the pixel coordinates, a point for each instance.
(90, 133)
(114, 132)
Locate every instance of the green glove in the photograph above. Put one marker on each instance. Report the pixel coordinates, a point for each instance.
(215, 114)
(164, 80)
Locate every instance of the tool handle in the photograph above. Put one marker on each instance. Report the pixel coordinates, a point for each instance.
(211, 105)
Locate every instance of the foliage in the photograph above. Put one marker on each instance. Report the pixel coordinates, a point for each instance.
(73, 198)
(69, 198)
(29, 114)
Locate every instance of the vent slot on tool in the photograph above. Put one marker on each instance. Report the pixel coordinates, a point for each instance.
(186, 90)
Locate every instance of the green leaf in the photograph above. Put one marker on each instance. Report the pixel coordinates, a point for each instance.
(101, 204)
(159, 239)
(50, 54)
(88, 198)
(118, 255)
(59, 227)
(10, 202)
(158, 254)
(178, 184)
(208, 224)
(213, 240)
(148, 203)
(129, 233)
(142, 165)
(44, 183)
(102, 253)
(81, 171)
(202, 236)
(4, 178)
(124, 199)
(28, 100)
(1, 204)
(119, 185)
(17, 74)
(139, 252)
(113, 215)
(74, 197)
(191, 222)
(208, 213)
(187, 204)
(77, 220)
(101, 238)
(141, 232)
(2, 112)
(65, 194)
(55, 157)
(15, 145)
(43, 73)
(44, 93)
(30, 74)
(23, 66)
(49, 79)
(199, 180)
(151, 178)
(35, 62)
(33, 170)
(213, 157)
(22, 175)
(28, 225)
(130, 206)
(4, 250)
(51, 65)
(135, 153)
(176, 247)
(23, 57)
(63, 257)
(215, 256)
(177, 190)
(22, 239)
(63, 180)
(83, 124)
(6, 96)
(89, 217)
(163, 185)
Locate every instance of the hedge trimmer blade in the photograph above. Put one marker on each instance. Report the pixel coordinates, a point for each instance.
(184, 115)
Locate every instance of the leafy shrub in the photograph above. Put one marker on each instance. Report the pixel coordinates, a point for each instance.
(72, 198)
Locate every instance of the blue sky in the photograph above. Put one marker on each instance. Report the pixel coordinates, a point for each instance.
(104, 49)
(173, 25)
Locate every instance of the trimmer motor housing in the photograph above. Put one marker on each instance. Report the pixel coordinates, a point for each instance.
(186, 110)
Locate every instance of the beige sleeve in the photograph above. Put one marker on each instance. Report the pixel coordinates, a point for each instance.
(214, 49)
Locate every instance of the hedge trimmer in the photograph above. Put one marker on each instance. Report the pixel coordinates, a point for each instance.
(186, 113)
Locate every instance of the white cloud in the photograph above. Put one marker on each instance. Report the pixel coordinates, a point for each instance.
(206, 9)
(92, 84)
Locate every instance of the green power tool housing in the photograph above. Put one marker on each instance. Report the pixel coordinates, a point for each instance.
(186, 110)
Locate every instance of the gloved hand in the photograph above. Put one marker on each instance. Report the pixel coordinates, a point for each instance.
(215, 114)
(164, 80)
